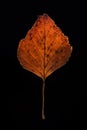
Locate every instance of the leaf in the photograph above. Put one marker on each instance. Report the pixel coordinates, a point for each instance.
(44, 49)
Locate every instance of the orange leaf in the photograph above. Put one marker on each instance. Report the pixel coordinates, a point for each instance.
(44, 49)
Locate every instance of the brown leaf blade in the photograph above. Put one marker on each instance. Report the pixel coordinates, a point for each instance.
(44, 49)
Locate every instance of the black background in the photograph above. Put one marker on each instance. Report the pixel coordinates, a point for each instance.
(65, 93)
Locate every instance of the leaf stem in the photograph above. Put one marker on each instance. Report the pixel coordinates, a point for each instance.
(43, 89)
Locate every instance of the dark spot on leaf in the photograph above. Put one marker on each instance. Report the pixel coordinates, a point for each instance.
(41, 32)
(48, 48)
(28, 51)
(51, 44)
(47, 55)
(30, 36)
(36, 25)
(59, 51)
(56, 61)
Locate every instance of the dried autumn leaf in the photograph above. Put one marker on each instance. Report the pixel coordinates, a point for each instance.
(44, 50)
